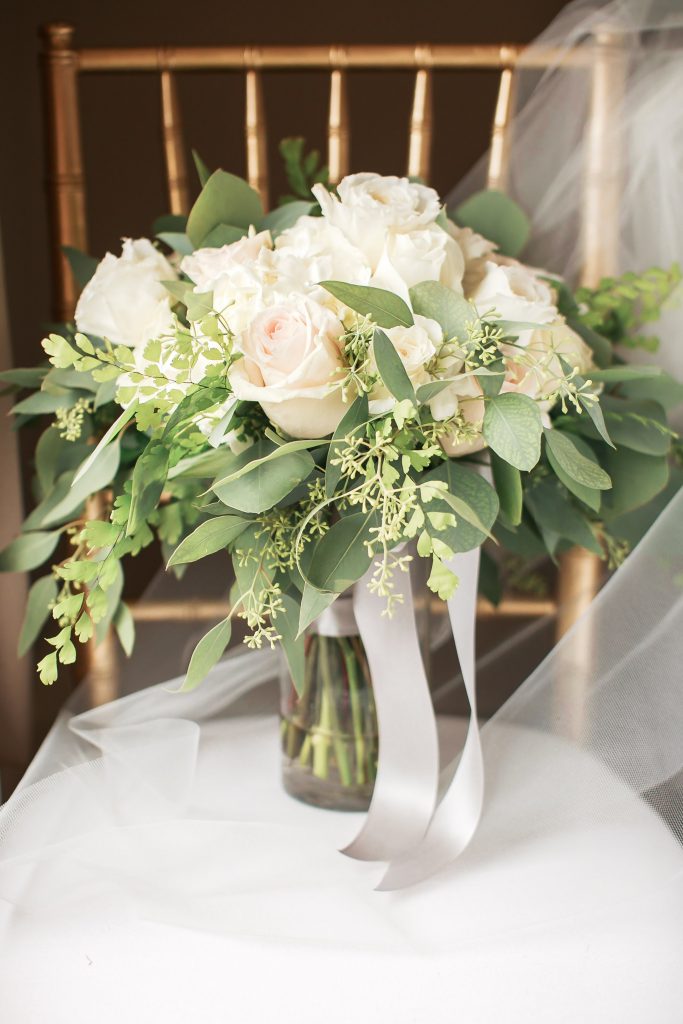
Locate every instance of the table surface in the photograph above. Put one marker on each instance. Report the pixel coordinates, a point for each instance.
(243, 910)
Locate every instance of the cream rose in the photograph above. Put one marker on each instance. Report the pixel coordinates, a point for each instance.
(320, 252)
(476, 250)
(428, 254)
(535, 367)
(515, 292)
(369, 205)
(124, 300)
(207, 267)
(292, 366)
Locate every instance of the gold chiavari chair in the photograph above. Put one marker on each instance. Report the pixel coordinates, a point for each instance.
(64, 65)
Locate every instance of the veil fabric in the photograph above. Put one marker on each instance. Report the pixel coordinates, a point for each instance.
(151, 869)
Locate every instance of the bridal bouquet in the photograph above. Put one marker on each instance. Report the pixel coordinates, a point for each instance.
(326, 392)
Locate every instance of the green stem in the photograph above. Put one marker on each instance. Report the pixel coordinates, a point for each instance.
(341, 753)
(356, 710)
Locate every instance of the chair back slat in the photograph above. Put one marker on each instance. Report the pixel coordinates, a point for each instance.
(497, 172)
(338, 134)
(420, 139)
(174, 152)
(255, 134)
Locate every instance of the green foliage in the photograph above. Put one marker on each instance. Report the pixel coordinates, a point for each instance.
(257, 483)
(497, 217)
(508, 483)
(206, 654)
(391, 370)
(512, 428)
(224, 200)
(213, 535)
(576, 460)
(28, 551)
(303, 169)
(41, 596)
(451, 311)
(385, 308)
(620, 307)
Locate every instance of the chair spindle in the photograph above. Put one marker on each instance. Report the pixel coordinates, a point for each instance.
(499, 154)
(420, 143)
(174, 154)
(338, 123)
(255, 129)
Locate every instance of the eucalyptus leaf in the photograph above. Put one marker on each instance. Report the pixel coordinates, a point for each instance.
(43, 402)
(213, 535)
(636, 479)
(113, 594)
(206, 654)
(508, 483)
(313, 603)
(222, 234)
(600, 346)
(24, 377)
(640, 425)
(286, 623)
(113, 431)
(451, 311)
(28, 551)
(512, 428)
(341, 556)
(284, 217)
(385, 308)
(572, 456)
(178, 241)
(99, 475)
(355, 417)
(41, 595)
(554, 514)
(264, 484)
(472, 490)
(497, 217)
(281, 449)
(203, 172)
(664, 389)
(621, 374)
(225, 199)
(148, 481)
(391, 369)
(590, 496)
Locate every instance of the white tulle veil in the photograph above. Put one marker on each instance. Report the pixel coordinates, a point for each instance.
(127, 809)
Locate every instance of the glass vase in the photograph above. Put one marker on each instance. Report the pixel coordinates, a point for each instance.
(329, 730)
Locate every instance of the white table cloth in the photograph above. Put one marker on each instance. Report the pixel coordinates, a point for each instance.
(228, 900)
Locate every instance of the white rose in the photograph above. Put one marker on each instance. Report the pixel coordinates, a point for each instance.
(371, 204)
(476, 250)
(292, 366)
(463, 397)
(124, 300)
(428, 254)
(516, 293)
(322, 253)
(206, 267)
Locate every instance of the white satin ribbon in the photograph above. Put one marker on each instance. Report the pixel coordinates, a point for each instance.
(407, 780)
(457, 816)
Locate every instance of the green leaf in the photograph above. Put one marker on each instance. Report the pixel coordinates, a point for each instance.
(495, 216)
(664, 389)
(148, 480)
(341, 556)
(206, 654)
(595, 414)
(68, 496)
(203, 172)
(641, 426)
(213, 535)
(385, 308)
(113, 599)
(264, 485)
(225, 199)
(508, 484)
(451, 311)
(222, 234)
(54, 455)
(41, 595)
(169, 222)
(512, 428)
(491, 382)
(570, 454)
(558, 516)
(620, 374)
(475, 492)
(178, 241)
(636, 479)
(24, 377)
(391, 369)
(124, 624)
(284, 217)
(590, 496)
(28, 551)
(313, 603)
(355, 417)
(277, 453)
(442, 580)
(44, 402)
(82, 266)
(287, 624)
(113, 431)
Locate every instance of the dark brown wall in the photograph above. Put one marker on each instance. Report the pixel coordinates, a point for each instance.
(122, 144)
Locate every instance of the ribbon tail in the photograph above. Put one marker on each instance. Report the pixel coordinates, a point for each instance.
(406, 786)
(457, 816)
